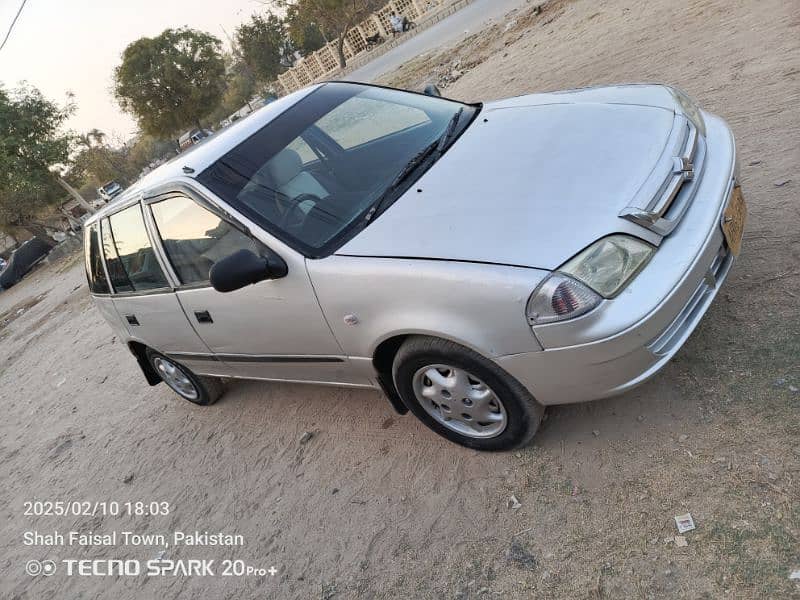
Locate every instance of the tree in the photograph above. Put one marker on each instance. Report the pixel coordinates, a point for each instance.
(334, 17)
(32, 146)
(172, 81)
(304, 36)
(263, 46)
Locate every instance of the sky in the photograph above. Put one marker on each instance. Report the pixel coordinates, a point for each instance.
(74, 45)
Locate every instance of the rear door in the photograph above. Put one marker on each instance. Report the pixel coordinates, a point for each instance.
(142, 295)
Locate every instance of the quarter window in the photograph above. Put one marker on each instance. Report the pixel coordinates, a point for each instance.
(195, 238)
(94, 262)
(132, 264)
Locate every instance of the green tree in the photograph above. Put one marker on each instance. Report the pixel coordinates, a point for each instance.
(33, 146)
(334, 17)
(263, 46)
(172, 81)
(304, 36)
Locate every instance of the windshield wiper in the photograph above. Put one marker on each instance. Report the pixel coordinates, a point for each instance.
(450, 132)
(434, 148)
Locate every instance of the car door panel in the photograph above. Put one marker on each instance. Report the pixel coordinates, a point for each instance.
(271, 330)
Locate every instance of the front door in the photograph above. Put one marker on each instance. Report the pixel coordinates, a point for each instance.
(271, 330)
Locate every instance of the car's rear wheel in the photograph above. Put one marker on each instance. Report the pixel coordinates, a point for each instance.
(464, 396)
(194, 388)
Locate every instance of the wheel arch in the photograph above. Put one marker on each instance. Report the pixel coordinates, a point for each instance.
(139, 351)
(383, 358)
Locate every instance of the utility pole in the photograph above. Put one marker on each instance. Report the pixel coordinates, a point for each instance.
(74, 193)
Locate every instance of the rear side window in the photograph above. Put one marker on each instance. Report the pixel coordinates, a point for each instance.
(132, 264)
(195, 238)
(94, 262)
(116, 272)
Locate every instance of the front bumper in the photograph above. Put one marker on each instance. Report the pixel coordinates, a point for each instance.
(627, 340)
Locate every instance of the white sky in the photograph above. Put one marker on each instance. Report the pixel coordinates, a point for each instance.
(74, 45)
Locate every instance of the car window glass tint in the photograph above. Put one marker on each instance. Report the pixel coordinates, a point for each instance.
(195, 238)
(361, 120)
(116, 272)
(137, 260)
(314, 171)
(94, 262)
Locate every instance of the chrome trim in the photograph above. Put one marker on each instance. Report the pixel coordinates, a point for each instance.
(683, 153)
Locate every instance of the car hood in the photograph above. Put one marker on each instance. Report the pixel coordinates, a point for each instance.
(531, 182)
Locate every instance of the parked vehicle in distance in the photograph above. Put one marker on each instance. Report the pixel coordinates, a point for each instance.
(193, 136)
(22, 260)
(110, 190)
(374, 40)
(475, 261)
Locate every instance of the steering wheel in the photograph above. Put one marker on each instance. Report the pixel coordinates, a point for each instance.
(294, 216)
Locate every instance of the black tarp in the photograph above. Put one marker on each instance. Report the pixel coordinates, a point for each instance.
(22, 260)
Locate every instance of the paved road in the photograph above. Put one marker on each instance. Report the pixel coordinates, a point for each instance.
(471, 18)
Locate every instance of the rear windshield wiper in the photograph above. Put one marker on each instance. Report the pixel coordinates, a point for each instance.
(434, 148)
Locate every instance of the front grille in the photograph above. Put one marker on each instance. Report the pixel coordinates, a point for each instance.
(673, 335)
(661, 201)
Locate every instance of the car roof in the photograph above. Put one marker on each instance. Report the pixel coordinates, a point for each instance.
(202, 155)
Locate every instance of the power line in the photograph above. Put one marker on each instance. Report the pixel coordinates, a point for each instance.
(14, 22)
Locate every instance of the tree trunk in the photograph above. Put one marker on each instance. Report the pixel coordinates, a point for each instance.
(340, 51)
(74, 193)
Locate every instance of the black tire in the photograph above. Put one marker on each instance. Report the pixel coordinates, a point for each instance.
(208, 389)
(523, 412)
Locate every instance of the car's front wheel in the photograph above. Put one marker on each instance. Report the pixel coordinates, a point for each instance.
(194, 388)
(463, 396)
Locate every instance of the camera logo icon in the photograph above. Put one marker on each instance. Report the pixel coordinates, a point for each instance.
(37, 567)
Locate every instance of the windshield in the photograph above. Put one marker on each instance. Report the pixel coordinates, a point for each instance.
(313, 173)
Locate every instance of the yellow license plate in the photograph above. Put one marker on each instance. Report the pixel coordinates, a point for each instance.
(733, 220)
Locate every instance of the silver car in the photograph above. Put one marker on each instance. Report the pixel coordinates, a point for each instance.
(476, 262)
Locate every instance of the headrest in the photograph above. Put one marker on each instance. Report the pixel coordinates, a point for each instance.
(285, 166)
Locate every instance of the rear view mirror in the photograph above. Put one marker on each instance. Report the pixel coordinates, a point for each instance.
(243, 268)
(432, 90)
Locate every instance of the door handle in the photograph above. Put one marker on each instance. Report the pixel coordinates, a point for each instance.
(203, 316)
(132, 320)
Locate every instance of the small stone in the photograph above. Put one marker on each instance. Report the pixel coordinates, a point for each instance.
(640, 418)
(772, 476)
(483, 591)
(513, 503)
(793, 389)
(334, 491)
(683, 437)
(780, 182)
(680, 541)
(596, 432)
(128, 478)
(306, 437)
(779, 382)
(518, 455)
(753, 163)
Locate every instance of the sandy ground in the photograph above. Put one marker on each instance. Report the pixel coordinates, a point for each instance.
(374, 505)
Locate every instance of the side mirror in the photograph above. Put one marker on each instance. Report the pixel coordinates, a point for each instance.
(432, 90)
(243, 268)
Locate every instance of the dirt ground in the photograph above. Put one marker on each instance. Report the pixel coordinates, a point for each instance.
(376, 506)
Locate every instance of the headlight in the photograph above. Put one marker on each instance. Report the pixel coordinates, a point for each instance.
(559, 298)
(610, 263)
(689, 109)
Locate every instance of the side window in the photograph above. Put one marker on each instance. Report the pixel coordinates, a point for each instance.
(116, 272)
(195, 238)
(360, 120)
(132, 264)
(94, 262)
